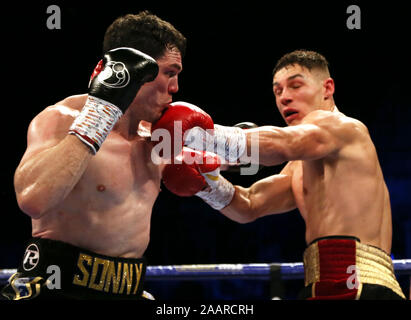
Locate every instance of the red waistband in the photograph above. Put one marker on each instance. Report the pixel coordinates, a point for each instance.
(337, 266)
(335, 258)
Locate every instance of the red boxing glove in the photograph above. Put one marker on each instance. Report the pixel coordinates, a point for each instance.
(180, 117)
(183, 176)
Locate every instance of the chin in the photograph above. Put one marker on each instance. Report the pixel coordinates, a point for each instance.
(294, 122)
(154, 119)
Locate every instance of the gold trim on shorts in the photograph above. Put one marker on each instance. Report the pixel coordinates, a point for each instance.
(373, 266)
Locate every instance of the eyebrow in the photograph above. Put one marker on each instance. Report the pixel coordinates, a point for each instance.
(290, 78)
(175, 65)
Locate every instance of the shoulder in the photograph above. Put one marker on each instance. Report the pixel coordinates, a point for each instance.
(337, 124)
(67, 108)
(53, 121)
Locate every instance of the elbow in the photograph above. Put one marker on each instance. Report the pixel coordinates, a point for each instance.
(30, 198)
(30, 208)
(31, 204)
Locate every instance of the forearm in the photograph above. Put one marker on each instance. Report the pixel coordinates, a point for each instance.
(240, 209)
(276, 145)
(266, 145)
(271, 195)
(44, 180)
(263, 145)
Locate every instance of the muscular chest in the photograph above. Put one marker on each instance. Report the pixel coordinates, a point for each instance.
(120, 170)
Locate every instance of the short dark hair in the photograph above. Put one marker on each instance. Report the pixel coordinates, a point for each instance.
(305, 58)
(145, 32)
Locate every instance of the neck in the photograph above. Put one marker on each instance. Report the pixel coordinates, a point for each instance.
(329, 106)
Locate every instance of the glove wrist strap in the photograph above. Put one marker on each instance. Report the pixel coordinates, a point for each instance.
(230, 142)
(95, 121)
(219, 195)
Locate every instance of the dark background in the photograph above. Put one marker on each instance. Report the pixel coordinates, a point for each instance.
(232, 49)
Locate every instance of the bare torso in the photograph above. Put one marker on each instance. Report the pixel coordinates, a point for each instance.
(109, 209)
(344, 194)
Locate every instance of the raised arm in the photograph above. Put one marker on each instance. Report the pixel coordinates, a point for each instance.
(61, 140)
(322, 133)
(53, 162)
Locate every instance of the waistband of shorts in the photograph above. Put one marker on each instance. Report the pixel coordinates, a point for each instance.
(83, 273)
(333, 237)
(335, 258)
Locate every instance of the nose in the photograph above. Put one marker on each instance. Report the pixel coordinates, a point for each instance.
(173, 85)
(285, 98)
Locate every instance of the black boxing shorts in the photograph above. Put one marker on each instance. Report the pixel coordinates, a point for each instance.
(340, 267)
(56, 270)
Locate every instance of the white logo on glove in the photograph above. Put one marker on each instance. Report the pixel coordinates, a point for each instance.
(114, 75)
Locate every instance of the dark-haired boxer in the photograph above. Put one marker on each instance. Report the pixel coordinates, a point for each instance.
(87, 179)
(332, 176)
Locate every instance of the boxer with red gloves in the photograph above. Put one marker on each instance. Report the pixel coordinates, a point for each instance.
(189, 125)
(198, 173)
(332, 176)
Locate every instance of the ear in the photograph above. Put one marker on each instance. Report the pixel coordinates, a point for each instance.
(329, 88)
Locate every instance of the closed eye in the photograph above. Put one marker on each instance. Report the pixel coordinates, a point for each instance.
(171, 73)
(295, 85)
(277, 91)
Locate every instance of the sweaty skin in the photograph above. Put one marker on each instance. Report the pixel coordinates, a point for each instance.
(102, 203)
(333, 175)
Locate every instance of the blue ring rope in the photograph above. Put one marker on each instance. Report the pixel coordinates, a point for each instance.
(252, 271)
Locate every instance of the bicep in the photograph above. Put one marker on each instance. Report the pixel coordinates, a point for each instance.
(317, 137)
(272, 195)
(310, 142)
(321, 134)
